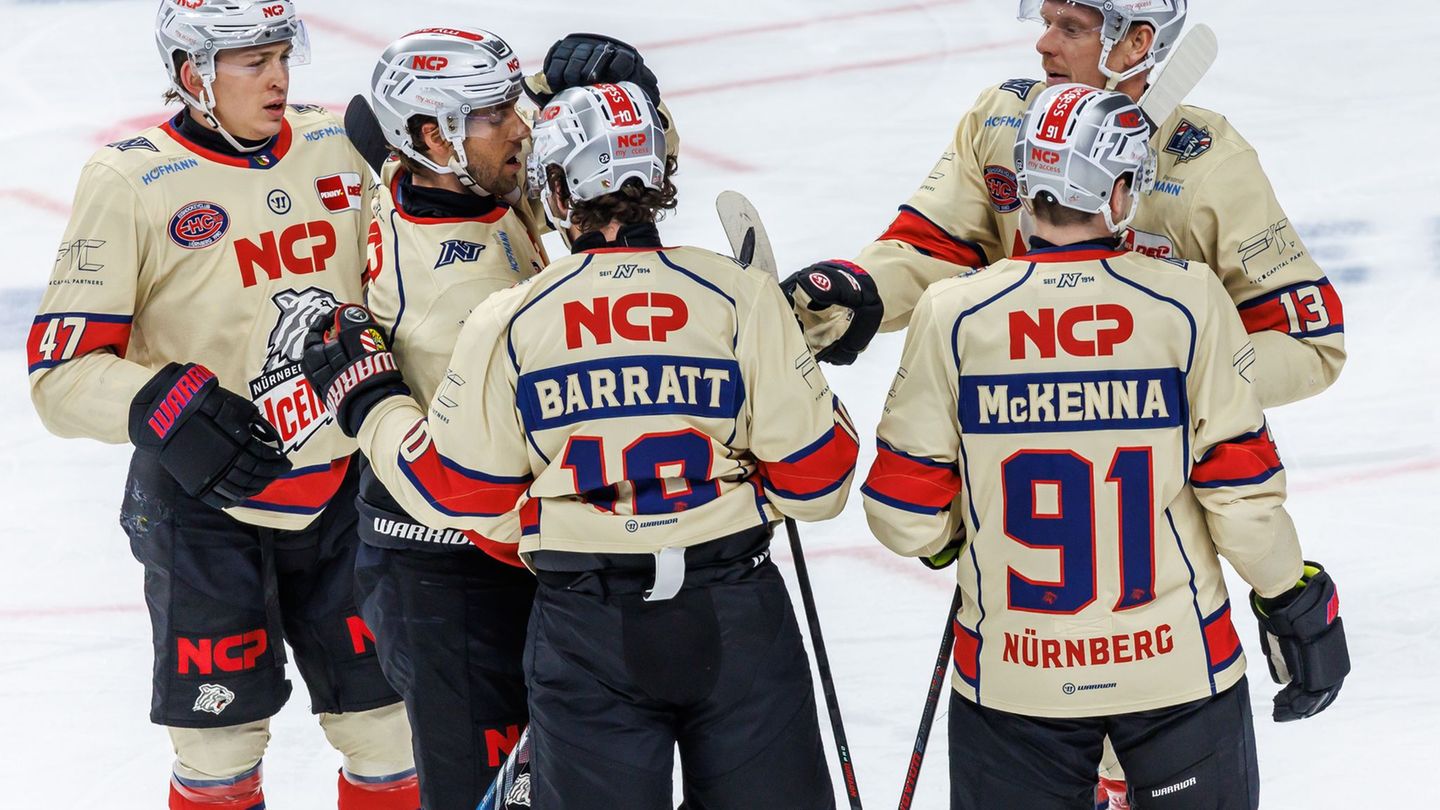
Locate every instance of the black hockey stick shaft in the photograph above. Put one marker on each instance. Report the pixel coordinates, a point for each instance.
(363, 130)
(932, 701)
(822, 662)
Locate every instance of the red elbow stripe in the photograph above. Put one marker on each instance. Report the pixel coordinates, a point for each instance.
(1222, 643)
(815, 470)
(454, 490)
(910, 483)
(1240, 461)
(60, 336)
(1307, 309)
(306, 491)
(966, 654)
(912, 228)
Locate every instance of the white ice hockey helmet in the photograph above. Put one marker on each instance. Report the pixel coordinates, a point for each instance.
(1076, 141)
(601, 136)
(1167, 17)
(445, 73)
(200, 29)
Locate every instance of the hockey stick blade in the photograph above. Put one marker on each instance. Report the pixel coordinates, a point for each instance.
(1188, 62)
(932, 700)
(363, 130)
(751, 246)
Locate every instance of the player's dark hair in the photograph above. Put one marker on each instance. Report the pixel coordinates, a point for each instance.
(176, 60)
(1051, 212)
(415, 127)
(634, 203)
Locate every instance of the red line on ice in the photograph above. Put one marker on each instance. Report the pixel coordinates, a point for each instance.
(37, 200)
(71, 611)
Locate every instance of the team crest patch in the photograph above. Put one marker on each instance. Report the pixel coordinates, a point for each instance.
(340, 192)
(1189, 141)
(1004, 191)
(133, 143)
(199, 225)
(1020, 87)
(213, 699)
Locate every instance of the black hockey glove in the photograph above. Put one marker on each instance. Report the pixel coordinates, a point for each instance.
(945, 557)
(1304, 641)
(214, 442)
(824, 285)
(581, 59)
(347, 361)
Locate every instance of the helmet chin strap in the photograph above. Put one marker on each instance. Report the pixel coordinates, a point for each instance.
(206, 106)
(1113, 79)
(1118, 227)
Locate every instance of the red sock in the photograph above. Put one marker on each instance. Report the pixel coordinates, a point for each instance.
(398, 792)
(237, 793)
(1117, 789)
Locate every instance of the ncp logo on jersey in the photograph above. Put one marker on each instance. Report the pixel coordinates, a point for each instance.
(1084, 331)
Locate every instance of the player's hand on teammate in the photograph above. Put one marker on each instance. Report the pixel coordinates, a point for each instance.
(1304, 642)
(581, 59)
(214, 442)
(348, 361)
(839, 308)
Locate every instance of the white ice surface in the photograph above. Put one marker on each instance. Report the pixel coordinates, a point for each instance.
(827, 114)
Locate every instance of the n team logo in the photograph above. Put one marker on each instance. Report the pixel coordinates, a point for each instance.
(199, 225)
(458, 250)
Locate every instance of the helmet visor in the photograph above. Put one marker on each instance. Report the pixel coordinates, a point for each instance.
(1074, 20)
(235, 37)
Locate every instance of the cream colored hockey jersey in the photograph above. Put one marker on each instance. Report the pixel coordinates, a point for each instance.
(178, 253)
(427, 273)
(1212, 203)
(1085, 418)
(628, 400)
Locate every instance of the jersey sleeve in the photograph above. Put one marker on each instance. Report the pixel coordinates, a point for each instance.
(80, 381)
(935, 233)
(1288, 306)
(799, 431)
(912, 491)
(1237, 475)
(466, 465)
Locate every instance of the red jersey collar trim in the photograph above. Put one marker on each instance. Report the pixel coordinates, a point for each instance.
(1050, 255)
(501, 208)
(267, 158)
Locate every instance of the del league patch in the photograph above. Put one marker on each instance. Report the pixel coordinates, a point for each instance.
(198, 225)
(340, 192)
(1189, 141)
(1001, 184)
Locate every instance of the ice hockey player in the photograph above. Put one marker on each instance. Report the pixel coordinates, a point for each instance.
(1073, 423)
(1212, 203)
(653, 411)
(198, 252)
(449, 619)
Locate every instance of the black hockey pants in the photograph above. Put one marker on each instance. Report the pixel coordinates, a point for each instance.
(616, 682)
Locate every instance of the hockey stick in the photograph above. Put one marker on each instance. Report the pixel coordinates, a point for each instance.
(751, 246)
(1192, 57)
(511, 788)
(363, 130)
(932, 700)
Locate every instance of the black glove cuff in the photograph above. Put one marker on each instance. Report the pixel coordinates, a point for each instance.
(167, 401)
(1303, 613)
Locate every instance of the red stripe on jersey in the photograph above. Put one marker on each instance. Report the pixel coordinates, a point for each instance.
(275, 152)
(61, 336)
(815, 470)
(1237, 462)
(508, 553)
(530, 517)
(1222, 643)
(305, 491)
(1309, 309)
(967, 654)
(454, 490)
(922, 483)
(915, 230)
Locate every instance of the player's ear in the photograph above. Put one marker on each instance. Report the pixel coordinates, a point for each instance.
(435, 143)
(1120, 199)
(1136, 44)
(190, 78)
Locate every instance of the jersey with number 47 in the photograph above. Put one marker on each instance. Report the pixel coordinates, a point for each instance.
(627, 400)
(1212, 203)
(1082, 418)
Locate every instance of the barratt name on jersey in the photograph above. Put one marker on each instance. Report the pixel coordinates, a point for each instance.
(1071, 401)
(630, 386)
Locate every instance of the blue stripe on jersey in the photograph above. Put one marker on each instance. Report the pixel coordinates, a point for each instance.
(1194, 600)
(399, 276)
(896, 503)
(614, 387)
(1069, 401)
(735, 340)
(510, 329)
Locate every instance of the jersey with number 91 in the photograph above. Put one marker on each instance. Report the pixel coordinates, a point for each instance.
(1084, 419)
